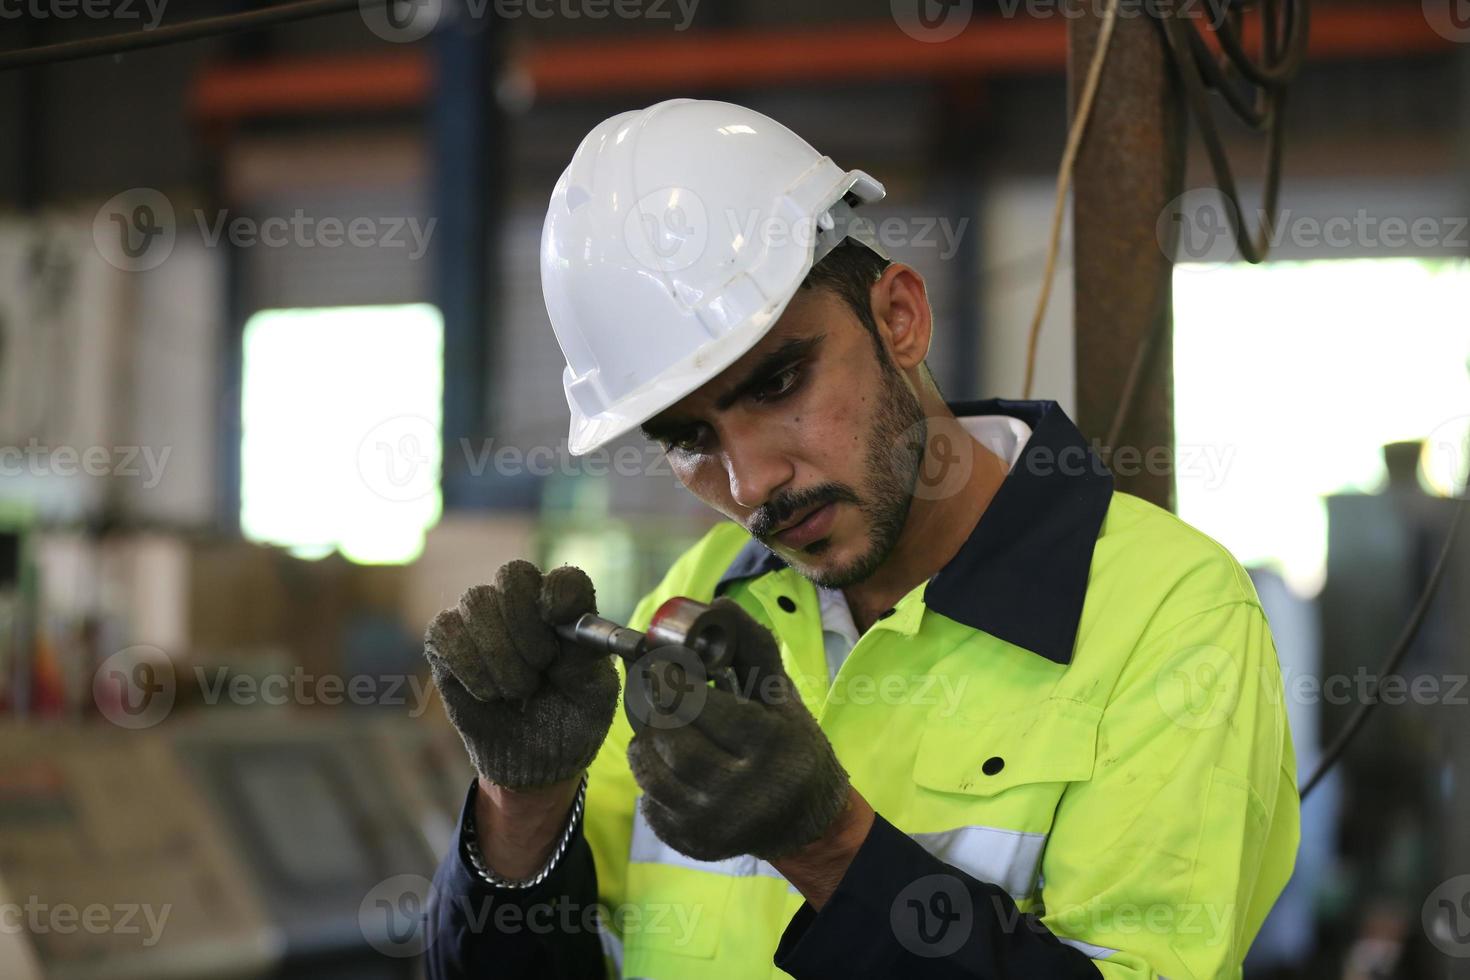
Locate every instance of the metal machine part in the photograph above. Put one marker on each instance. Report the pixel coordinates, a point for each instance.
(708, 631)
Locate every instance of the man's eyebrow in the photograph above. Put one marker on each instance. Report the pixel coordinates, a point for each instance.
(773, 363)
(660, 430)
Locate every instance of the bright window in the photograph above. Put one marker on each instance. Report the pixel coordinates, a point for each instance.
(1291, 376)
(341, 433)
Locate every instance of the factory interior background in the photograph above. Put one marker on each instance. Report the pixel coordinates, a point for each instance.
(277, 384)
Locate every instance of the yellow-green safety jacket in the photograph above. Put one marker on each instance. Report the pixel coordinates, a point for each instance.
(1079, 721)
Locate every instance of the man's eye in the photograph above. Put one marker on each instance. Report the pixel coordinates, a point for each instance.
(778, 384)
(687, 441)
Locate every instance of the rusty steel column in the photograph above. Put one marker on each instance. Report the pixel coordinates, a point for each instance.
(1128, 169)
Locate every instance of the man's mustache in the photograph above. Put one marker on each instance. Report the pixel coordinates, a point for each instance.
(781, 508)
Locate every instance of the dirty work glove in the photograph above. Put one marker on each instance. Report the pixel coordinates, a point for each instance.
(727, 772)
(532, 708)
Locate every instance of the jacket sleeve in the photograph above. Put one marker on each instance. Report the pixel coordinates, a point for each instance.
(1167, 860)
(1163, 864)
(474, 929)
(592, 872)
(899, 911)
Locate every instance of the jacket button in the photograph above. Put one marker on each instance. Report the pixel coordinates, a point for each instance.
(785, 603)
(993, 765)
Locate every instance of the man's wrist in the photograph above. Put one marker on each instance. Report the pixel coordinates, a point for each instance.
(516, 833)
(818, 868)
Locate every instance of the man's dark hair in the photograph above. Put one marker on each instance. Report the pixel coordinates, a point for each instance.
(850, 270)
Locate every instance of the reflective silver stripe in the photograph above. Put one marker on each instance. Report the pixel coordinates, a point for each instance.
(612, 946)
(1008, 858)
(647, 848)
(1093, 952)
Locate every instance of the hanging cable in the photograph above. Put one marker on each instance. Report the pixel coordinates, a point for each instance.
(174, 33)
(1253, 90)
(1400, 649)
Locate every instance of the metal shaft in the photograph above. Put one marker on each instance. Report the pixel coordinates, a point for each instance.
(709, 632)
(604, 636)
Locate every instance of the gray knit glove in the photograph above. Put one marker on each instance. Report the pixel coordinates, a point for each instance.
(532, 708)
(740, 769)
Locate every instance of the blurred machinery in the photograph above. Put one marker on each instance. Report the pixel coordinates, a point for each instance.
(255, 843)
(220, 846)
(1399, 779)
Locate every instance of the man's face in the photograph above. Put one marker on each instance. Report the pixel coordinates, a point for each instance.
(812, 441)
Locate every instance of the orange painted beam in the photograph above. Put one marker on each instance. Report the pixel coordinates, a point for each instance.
(304, 85)
(859, 53)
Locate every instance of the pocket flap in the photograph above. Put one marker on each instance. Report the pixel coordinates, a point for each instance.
(1054, 741)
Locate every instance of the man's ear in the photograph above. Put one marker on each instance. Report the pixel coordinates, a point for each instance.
(901, 310)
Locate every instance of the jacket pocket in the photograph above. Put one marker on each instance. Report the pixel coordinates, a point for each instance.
(1054, 741)
(989, 790)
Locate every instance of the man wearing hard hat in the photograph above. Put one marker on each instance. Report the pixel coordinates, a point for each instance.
(984, 716)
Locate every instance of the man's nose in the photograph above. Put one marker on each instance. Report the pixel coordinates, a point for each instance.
(755, 469)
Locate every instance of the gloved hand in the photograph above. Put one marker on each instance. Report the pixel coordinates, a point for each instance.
(532, 708)
(750, 772)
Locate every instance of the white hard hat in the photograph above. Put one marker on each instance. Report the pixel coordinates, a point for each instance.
(674, 240)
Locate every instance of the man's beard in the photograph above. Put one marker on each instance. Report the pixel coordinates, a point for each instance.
(894, 455)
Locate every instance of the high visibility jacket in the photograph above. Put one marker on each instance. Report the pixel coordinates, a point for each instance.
(1073, 735)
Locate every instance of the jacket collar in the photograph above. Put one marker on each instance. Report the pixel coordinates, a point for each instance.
(1022, 574)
